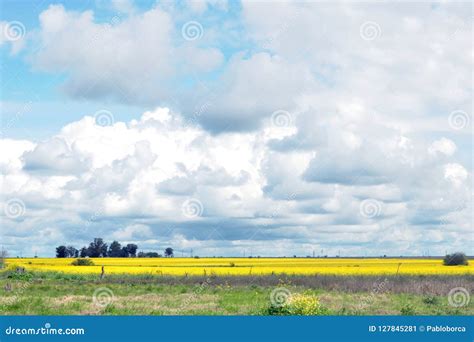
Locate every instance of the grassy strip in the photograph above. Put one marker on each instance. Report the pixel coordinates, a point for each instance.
(414, 284)
(48, 293)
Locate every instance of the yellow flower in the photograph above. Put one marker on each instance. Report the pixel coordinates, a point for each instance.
(260, 266)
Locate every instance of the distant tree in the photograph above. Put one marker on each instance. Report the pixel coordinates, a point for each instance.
(455, 259)
(124, 252)
(61, 252)
(83, 253)
(149, 255)
(97, 248)
(169, 252)
(82, 262)
(115, 250)
(132, 249)
(71, 252)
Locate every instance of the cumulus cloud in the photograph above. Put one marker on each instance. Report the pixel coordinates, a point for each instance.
(129, 58)
(131, 181)
(234, 105)
(288, 127)
(409, 66)
(443, 146)
(54, 155)
(455, 173)
(133, 232)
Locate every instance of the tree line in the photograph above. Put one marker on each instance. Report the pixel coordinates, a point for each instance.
(98, 248)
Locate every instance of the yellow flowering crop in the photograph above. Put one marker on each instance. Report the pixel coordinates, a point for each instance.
(245, 266)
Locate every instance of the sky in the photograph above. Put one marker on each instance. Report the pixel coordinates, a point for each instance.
(225, 128)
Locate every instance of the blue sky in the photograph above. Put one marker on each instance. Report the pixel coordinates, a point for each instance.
(225, 127)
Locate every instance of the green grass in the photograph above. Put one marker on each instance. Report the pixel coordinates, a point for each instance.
(59, 294)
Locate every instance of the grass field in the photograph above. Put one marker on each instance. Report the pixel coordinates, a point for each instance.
(233, 286)
(50, 293)
(246, 266)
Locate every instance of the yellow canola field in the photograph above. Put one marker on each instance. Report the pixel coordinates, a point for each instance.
(245, 266)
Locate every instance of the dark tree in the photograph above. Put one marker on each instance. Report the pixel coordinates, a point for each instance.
(124, 252)
(132, 250)
(97, 248)
(61, 252)
(169, 252)
(455, 259)
(84, 252)
(71, 252)
(149, 255)
(115, 249)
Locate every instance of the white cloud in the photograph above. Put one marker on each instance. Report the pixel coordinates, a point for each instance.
(200, 6)
(130, 59)
(54, 155)
(455, 173)
(364, 119)
(443, 146)
(11, 153)
(129, 181)
(133, 232)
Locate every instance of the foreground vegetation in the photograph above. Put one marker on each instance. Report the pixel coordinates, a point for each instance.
(52, 293)
(245, 266)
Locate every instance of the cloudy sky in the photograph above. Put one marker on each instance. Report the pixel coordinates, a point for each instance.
(227, 128)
